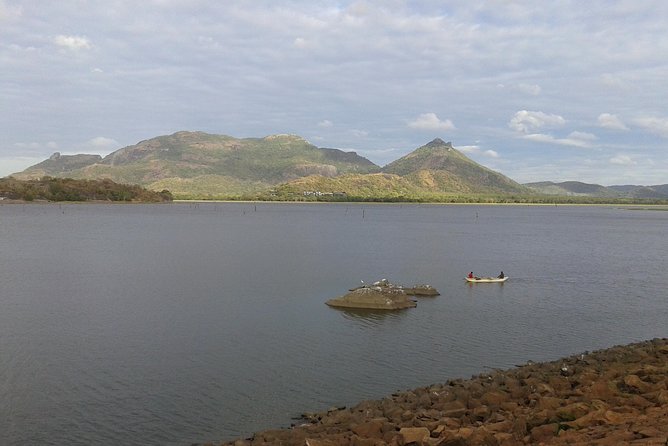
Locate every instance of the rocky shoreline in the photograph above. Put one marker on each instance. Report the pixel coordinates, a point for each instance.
(608, 397)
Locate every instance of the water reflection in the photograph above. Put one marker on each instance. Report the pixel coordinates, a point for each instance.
(371, 317)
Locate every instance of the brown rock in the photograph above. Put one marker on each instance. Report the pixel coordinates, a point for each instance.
(544, 389)
(455, 440)
(509, 406)
(482, 437)
(538, 418)
(572, 411)
(544, 432)
(494, 398)
(600, 390)
(549, 403)
(662, 397)
(370, 429)
(520, 427)
(453, 409)
(560, 384)
(598, 417)
(481, 413)
(320, 442)
(414, 434)
(501, 426)
(451, 423)
(357, 441)
(648, 432)
(424, 400)
(393, 413)
(638, 401)
(505, 439)
(635, 383)
(611, 417)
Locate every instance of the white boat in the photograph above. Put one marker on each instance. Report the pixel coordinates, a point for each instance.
(486, 279)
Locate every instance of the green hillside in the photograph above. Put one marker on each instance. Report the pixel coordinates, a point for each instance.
(381, 186)
(58, 165)
(439, 167)
(197, 164)
(68, 189)
(433, 172)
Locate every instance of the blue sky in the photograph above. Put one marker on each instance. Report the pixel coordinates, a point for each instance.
(560, 90)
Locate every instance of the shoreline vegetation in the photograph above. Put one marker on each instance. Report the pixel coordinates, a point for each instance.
(51, 189)
(613, 396)
(70, 190)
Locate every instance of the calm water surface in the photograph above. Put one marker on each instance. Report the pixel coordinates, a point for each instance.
(182, 323)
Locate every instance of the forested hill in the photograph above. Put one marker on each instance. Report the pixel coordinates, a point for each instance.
(67, 189)
(202, 165)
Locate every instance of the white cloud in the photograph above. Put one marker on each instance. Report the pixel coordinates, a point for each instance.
(74, 43)
(468, 149)
(102, 143)
(623, 160)
(430, 121)
(36, 146)
(531, 89)
(612, 81)
(575, 139)
(582, 136)
(609, 121)
(658, 126)
(9, 12)
(526, 121)
(300, 42)
(325, 123)
(477, 150)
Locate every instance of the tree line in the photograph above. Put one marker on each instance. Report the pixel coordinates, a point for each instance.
(68, 189)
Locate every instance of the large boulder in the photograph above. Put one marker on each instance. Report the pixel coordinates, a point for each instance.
(374, 298)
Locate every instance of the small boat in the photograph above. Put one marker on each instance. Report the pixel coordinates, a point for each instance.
(486, 279)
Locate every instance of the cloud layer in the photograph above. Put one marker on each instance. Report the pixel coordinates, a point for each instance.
(538, 85)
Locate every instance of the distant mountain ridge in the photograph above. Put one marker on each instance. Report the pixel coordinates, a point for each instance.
(209, 165)
(205, 166)
(197, 164)
(576, 188)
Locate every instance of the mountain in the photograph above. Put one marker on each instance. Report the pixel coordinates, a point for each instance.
(576, 188)
(573, 188)
(201, 164)
(439, 167)
(435, 171)
(59, 164)
(657, 191)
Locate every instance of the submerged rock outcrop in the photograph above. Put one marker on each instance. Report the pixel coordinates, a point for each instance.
(382, 295)
(374, 298)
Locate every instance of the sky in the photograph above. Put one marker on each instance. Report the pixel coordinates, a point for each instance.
(539, 91)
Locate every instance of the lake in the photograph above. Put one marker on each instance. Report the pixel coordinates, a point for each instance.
(184, 323)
